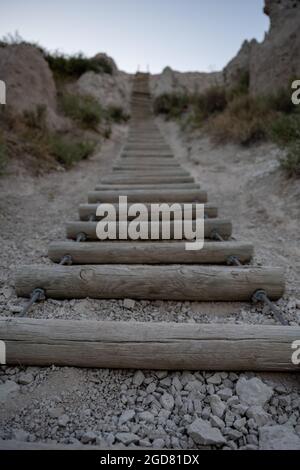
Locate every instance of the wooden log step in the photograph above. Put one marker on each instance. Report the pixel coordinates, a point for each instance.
(153, 195)
(137, 345)
(165, 252)
(163, 282)
(87, 210)
(170, 162)
(222, 226)
(140, 166)
(163, 147)
(147, 154)
(123, 179)
(108, 187)
(165, 171)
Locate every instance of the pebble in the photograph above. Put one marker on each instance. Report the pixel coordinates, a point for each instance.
(167, 401)
(63, 420)
(129, 303)
(127, 437)
(88, 437)
(253, 391)
(138, 378)
(126, 416)
(217, 406)
(25, 379)
(203, 433)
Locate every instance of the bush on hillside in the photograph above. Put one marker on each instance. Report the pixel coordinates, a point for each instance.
(83, 109)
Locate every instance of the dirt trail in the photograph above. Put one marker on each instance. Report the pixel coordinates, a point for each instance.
(64, 404)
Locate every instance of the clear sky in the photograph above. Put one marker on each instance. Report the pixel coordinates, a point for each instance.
(187, 35)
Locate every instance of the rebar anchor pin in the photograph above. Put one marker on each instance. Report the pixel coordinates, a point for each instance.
(261, 296)
(36, 295)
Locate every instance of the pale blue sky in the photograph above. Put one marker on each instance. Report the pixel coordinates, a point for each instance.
(184, 34)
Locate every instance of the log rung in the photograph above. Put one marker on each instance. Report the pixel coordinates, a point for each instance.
(222, 226)
(134, 345)
(88, 210)
(165, 252)
(153, 195)
(163, 282)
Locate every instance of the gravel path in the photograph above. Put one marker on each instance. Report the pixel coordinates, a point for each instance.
(154, 409)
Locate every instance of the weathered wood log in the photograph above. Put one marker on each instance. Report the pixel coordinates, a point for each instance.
(137, 172)
(166, 252)
(163, 282)
(142, 166)
(134, 345)
(166, 179)
(153, 195)
(147, 154)
(137, 147)
(87, 210)
(149, 161)
(222, 226)
(145, 186)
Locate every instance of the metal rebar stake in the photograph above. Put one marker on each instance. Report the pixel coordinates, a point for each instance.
(261, 296)
(36, 295)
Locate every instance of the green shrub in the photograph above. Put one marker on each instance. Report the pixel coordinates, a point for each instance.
(36, 119)
(83, 109)
(244, 121)
(172, 105)
(68, 152)
(291, 163)
(285, 129)
(117, 114)
(72, 67)
(3, 157)
(211, 101)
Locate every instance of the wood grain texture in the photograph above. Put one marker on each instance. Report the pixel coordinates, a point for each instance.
(149, 253)
(222, 226)
(134, 179)
(108, 187)
(153, 195)
(163, 282)
(86, 210)
(167, 346)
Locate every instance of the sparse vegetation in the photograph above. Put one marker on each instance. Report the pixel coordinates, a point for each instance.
(291, 163)
(83, 109)
(117, 114)
(3, 156)
(67, 151)
(235, 116)
(172, 105)
(72, 67)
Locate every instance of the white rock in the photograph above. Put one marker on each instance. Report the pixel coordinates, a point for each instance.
(158, 443)
(88, 436)
(217, 406)
(6, 389)
(138, 378)
(225, 393)
(128, 303)
(127, 437)
(215, 379)
(63, 420)
(25, 379)
(253, 391)
(260, 416)
(21, 435)
(278, 437)
(167, 401)
(217, 422)
(128, 415)
(146, 416)
(203, 433)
